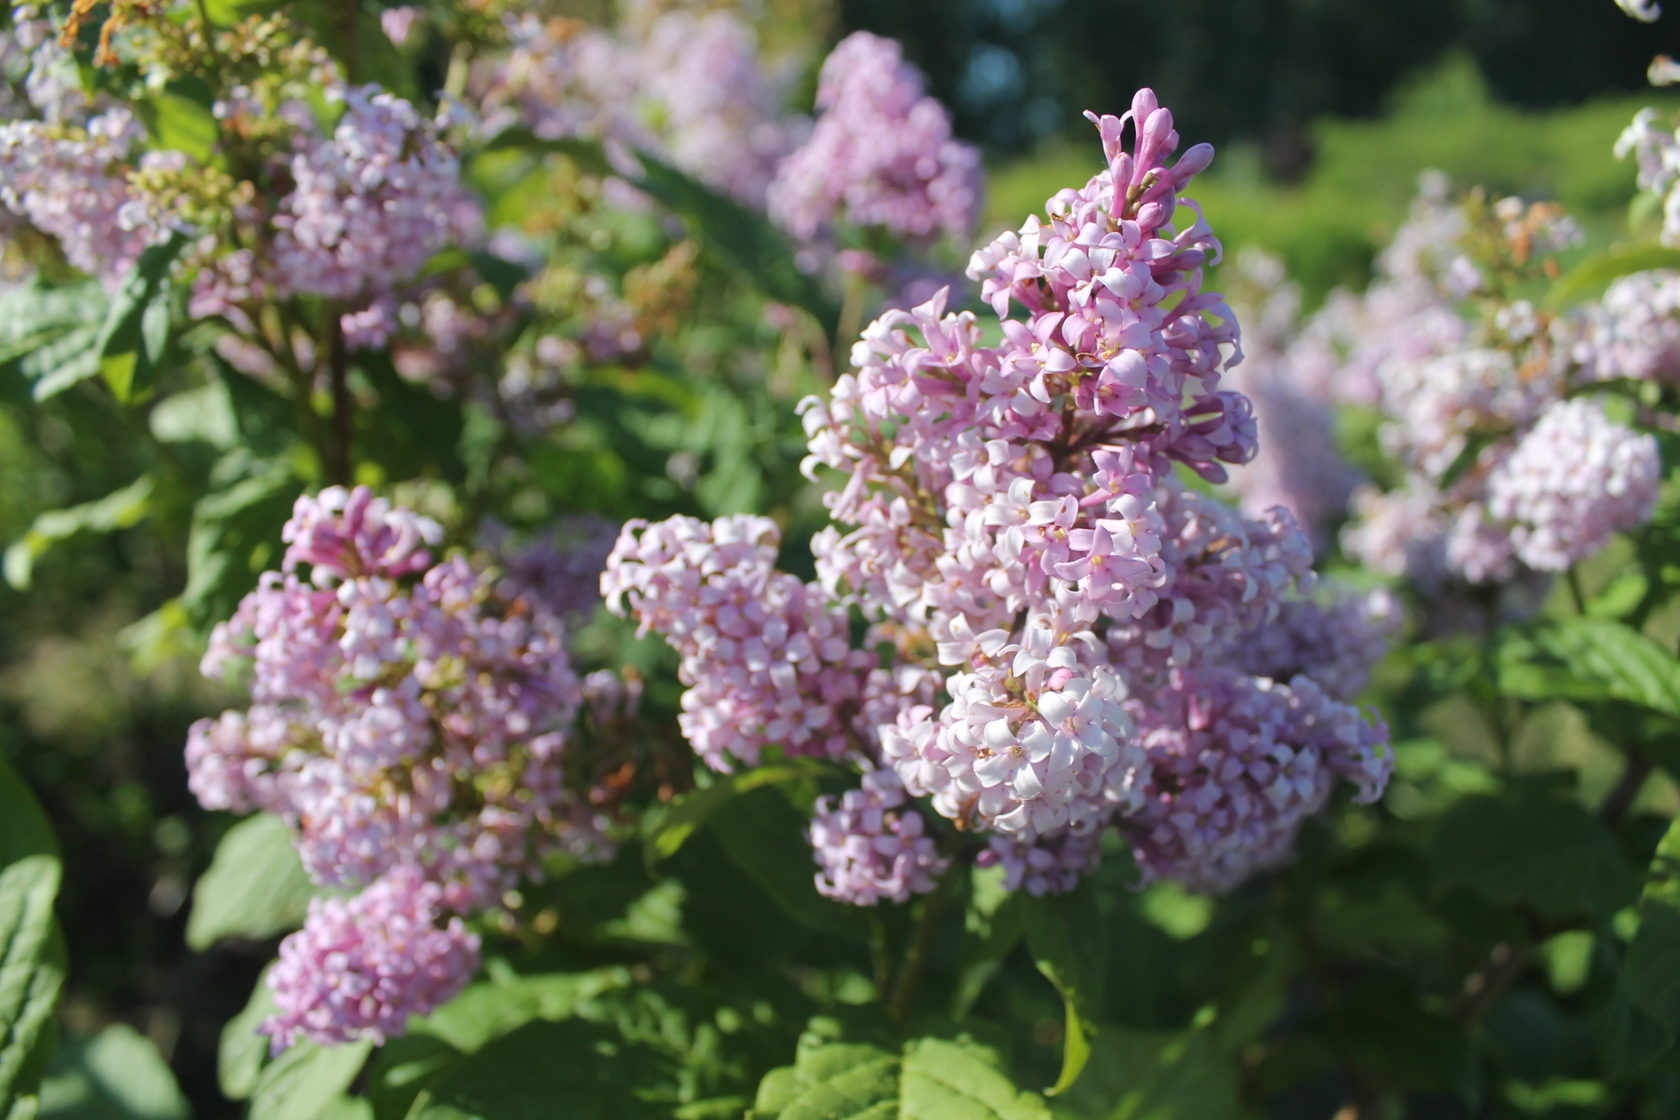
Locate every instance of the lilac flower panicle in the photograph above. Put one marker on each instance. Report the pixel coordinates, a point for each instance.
(1007, 523)
(1574, 480)
(881, 154)
(411, 721)
(360, 967)
(1239, 762)
(871, 845)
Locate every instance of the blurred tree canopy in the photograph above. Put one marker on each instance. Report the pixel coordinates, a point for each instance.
(1015, 71)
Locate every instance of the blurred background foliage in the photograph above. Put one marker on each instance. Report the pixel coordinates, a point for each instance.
(1325, 112)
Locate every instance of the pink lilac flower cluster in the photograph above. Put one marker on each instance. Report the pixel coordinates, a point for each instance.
(1465, 375)
(410, 719)
(1299, 465)
(361, 966)
(70, 181)
(766, 658)
(689, 88)
(1237, 762)
(1010, 526)
(1634, 330)
(881, 154)
(871, 845)
(371, 201)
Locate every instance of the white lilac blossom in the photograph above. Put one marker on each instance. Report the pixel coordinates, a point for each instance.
(1009, 528)
(872, 845)
(410, 719)
(1634, 330)
(1575, 479)
(880, 156)
(1654, 144)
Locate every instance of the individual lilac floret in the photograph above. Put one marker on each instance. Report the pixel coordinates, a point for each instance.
(1575, 479)
(881, 154)
(767, 660)
(1238, 763)
(361, 966)
(1052, 864)
(872, 845)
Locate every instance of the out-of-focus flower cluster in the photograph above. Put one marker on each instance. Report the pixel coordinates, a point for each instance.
(1067, 619)
(410, 719)
(881, 154)
(1505, 469)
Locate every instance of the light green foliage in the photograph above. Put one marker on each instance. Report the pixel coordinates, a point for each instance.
(255, 887)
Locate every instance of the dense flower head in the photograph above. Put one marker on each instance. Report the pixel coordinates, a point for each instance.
(371, 201)
(361, 966)
(768, 660)
(1237, 763)
(871, 845)
(71, 181)
(1036, 748)
(690, 88)
(1575, 479)
(1634, 331)
(1336, 638)
(1009, 523)
(1505, 469)
(406, 712)
(881, 154)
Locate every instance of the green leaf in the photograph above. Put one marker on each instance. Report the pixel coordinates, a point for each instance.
(132, 342)
(255, 886)
(687, 813)
(739, 238)
(1065, 935)
(1527, 848)
(235, 533)
(47, 334)
(928, 1079)
(180, 118)
(413, 430)
(114, 511)
(1157, 1075)
(306, 1080)
(240, 1057)
(1591, 659)
(116, 1075)
(583, 1071)
(1644, 1017)
(765, 837)
(994, 921)
(1588, 279)
(1474, 444)
(31, 949)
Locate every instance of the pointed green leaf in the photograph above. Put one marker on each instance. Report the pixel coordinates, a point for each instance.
(31, 948)
(114, 511)
(255, 886)
(1065, 935)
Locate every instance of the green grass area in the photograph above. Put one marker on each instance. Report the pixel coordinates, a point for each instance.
(1329, 226)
